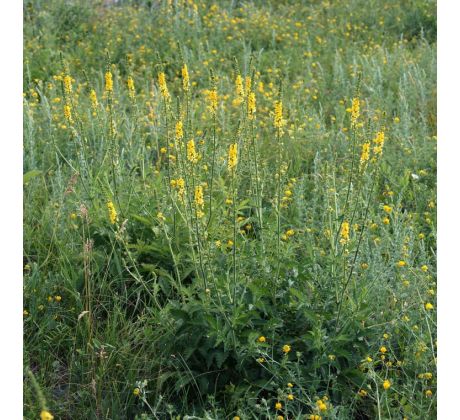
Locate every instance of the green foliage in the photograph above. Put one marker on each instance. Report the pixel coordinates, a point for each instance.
(306, 274)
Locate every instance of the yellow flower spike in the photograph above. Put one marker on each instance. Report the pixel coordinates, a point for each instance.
(185, 78)
(199, 200)
(354, 111)
(192, 155)
(278, 121)
(248, 83)
(112, 212)
(68, 84)
(232, 156)
(131, 89)
(93, 98)
(239, 86)
(365, 153)
(386, 384)
(212, 101)
(108, 82)
(379, 141)
(179, 130)
(163, 87)
(345, 233)
(68, 113)
(251, 106)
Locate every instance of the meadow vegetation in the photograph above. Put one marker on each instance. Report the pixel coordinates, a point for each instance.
(230, 209)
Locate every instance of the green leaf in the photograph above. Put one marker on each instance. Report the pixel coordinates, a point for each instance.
(30, 175)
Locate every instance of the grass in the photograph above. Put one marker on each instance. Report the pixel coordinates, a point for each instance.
(189, 256)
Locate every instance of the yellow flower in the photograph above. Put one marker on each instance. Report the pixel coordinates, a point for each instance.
(131, 89)
(161, 217)
(401, 263)
(345, 233)
(112, 212)
(248, 83)
(239, 86)
(46, 415)
(261, 360)
(185, 78)
(368, 359)
(136, 392)
(286, 348)
(321, 405)
(379, 141)
(236, 418)
(424, 268)
(199, 200)
(192, 155)
(232, 156)
(314, 417)
(67, 84)
(387, 209)
(279, 418)
(396, 120)
(57, 298)
(429, 306)
(251, 105)
(386, 384)
(163, 87)
(212, 99)
(25, 312)
(354, 111)
(108, 82)
(290, 397)
(278, 406)
(93, 98)
(386, 221)
(179, 130)
(290, 385)
(362, 392)
(278, 119)
(428, 393)
(365, 153)
(383, 349)
(261, 339)
(163, 150)
(68, 113)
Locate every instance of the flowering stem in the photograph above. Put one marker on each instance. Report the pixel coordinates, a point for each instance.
(234, 235)
(361, 234)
